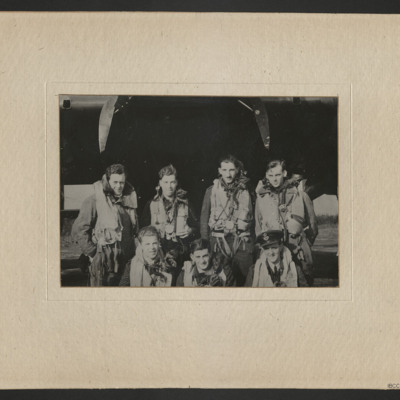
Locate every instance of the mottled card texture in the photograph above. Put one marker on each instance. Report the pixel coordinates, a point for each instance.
(80, 337)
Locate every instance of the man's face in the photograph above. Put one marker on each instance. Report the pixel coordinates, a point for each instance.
(201, 259)
(117, 183)
(297, 177)
(168, 185)
(275, 176)
(273, 253)
(150, 246)
(228, 171)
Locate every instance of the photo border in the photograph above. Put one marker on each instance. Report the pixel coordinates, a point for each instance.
(55, 292)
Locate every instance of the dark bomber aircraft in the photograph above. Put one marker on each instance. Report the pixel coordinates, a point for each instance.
(145, 133)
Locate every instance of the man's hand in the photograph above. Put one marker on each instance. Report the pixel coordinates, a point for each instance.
(215, 281)
(170, 260)
(168, 278)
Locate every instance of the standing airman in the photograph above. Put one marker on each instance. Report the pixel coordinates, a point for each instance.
(227, 217)
(172, 215)
(280, 205)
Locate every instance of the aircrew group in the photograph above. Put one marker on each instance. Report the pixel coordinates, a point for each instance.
(231, 245)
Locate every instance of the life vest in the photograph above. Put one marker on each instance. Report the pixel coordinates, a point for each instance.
(168, 226)
(289, 215)
(108, 228)
(227, 209)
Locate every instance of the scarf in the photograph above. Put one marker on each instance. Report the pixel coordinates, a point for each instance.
(265, 187)
(180, 196)
(232, 189)
(145, 274)
(128, 198)
(193, 277)
(207, 277)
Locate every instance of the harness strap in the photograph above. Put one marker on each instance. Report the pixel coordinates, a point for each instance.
(223, 246)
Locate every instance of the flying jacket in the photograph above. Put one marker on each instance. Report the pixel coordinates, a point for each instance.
(259, 276)
(184, 224)
(286, 208)
(89, 232)
(142, 275)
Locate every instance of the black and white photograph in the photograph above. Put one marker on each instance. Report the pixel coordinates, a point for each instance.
(185, 191)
